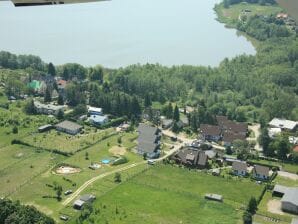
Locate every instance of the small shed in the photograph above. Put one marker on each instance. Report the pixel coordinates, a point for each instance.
(214, 197)
(45, 128)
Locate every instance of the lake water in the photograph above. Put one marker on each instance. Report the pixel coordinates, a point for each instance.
(121, 32)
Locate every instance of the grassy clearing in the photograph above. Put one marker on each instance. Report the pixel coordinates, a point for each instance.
(71, 182)
(54, 140)
(286, 181)
(168, 194)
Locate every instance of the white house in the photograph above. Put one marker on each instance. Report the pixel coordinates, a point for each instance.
(94, 110)
(283, 124)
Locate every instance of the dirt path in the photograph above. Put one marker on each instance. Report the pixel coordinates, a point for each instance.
(274, 206)
(288, 175)
(256, 130)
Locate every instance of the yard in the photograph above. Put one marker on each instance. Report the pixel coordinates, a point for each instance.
(168, 194)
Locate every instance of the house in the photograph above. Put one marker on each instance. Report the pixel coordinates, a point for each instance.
(282, 16)
(230, 137)
(214, 197)
(45, 128)
(183, 122)
(167, 123)
(98, 119)
(239, 168)
(260, 172)
(293, 140)
(79, 203)
(279, 190)
(210, 132)
(69, 127)
(148, 141)
(191, 157)
(274, 132)
(289, 202)
(295, 148)
(94, 110)
(49, 109)
(285, 125)
(35, 85)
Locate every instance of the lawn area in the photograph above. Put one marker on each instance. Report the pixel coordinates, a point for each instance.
(54, 140)
(168, 194)
(286, 181)
(96, 153)
(20, 164)
(291, 168)
(230, 15)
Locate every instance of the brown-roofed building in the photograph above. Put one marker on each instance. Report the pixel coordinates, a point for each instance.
(230, 137)
(260, 172)
(69, 127)
(210, 132)
(295, 148)
(239, 168)
(192, 158)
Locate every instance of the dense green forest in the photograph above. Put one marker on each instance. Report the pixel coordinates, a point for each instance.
(15, 213)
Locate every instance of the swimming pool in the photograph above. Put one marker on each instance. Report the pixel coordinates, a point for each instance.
(105, 161)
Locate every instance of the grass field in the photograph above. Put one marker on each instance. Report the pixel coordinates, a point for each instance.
(55, 140)
(96, 153)
(168, 194)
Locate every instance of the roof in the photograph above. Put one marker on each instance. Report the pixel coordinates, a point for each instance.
(283, 123)
(45, 126)
(94, 109)
(188, 154)
(291, 196)
(207, 129)
(68, 125)
(53, 107)
(61, 83)
(214, 196)
(203, 158)
(87, 198)
(98, 118)
(34, 84)
(210, 153)
(273, 132)
(239, 166)
(262, 170)
(79, 203)
(147, 139)
(230, 137)
(280, 189)
(167, 122)
(295, 148)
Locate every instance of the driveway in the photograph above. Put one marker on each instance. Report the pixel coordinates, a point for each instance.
(256, 130)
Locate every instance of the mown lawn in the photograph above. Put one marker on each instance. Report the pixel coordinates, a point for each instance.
(54, 140)
(168, 194)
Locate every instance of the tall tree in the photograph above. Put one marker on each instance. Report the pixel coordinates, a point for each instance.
(48, 95)
(176, 115)
(51, 69)
(60, 100)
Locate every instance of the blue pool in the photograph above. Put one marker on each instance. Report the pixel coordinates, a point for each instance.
(105, 161)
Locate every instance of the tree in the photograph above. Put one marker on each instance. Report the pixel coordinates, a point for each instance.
(282, 149)
(145, 156)
(79, 110)
(226, 3)
(59, 192)
(60, 100)
(51, 69)
(29, 107)
(60, 115)
(247, 218)
(252, 205)
(135, 107)
(96, 74)
(175, 127)
(48, 95)
(147, 102)
(229, 150)
(176, 115)
(86, 156)
(119, 140)
(117, 178)
(264, 141)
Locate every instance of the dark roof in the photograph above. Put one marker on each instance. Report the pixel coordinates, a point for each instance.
(148, 138)
(68, 125)
(232, 126)
(230, 137)
(291, 196)
(262, 170)
(221, 120)
(87, 198)
(207, 129)
(203, 158)
(240, 166)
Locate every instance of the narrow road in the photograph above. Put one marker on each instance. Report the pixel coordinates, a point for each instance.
(256, 130)
(87, 183)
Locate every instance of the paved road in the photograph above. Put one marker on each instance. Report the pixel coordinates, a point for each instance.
(288, 175)
(87, 183)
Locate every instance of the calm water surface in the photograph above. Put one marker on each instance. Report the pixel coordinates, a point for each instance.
(121, 32)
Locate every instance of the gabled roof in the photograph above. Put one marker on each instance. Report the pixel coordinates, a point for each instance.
(147, 139)
(203, 158)
(261, 170)
(230, 137)
(68, 125)
(239, 166)
(283, 123)
(291, 196)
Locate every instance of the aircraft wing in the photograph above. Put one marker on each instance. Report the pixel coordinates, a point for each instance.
(49, 2)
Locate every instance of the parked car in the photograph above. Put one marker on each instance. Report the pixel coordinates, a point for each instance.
(68, 192)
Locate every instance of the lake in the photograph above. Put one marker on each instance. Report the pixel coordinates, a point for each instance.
(121, 32)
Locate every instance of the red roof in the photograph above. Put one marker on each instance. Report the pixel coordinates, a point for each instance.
(295, 148)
